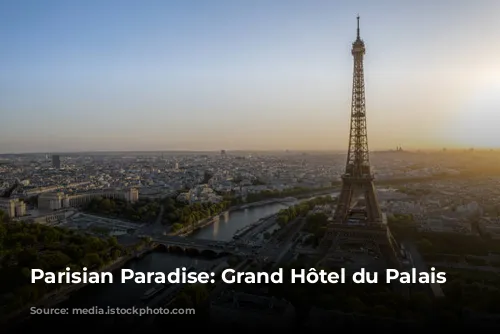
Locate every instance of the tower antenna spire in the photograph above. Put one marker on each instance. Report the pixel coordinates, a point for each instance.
(358, 26)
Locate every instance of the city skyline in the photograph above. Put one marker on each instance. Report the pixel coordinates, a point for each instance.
(174, 76)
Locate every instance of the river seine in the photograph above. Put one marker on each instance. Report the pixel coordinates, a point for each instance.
(129, 294)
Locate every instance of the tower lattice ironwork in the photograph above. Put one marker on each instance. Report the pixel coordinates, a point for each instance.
(358, 180)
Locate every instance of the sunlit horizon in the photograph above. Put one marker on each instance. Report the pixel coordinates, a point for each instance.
(264, 76)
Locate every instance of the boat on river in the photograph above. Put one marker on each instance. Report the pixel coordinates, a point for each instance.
(242, 231)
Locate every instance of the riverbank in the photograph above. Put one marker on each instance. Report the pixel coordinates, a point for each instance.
(289, 199)
(284, 198)
(209, 221)
(201, 224)
(56, 297)
(262, 203)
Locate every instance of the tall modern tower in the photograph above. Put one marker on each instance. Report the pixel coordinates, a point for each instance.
(354, 218)
(56, 162)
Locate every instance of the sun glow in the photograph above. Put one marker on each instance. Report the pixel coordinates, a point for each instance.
(478, 123)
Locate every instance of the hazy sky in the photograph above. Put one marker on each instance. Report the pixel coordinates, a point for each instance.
(246, 74)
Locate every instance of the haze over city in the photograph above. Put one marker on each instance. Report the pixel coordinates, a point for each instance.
(195, 75)
(285, 165)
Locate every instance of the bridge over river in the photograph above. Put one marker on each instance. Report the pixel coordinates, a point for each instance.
(201, 245)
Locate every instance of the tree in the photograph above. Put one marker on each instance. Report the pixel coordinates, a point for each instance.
(177, 226)
(54, 260)
(198, 293)
(3, 232)
(191, 303)
(4, 218)
(27, 246)
(26, 257)
(105, 205)
(112, 241)
(116, 254)
(425, 245)
(92, 260)
(355, 304)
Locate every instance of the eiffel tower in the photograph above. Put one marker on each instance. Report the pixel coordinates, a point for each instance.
(357, 216)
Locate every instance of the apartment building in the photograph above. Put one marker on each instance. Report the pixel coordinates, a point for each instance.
(57, 201)
(14, 207)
